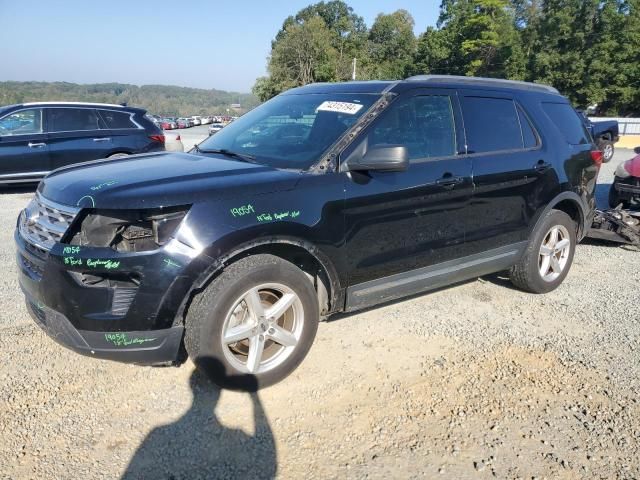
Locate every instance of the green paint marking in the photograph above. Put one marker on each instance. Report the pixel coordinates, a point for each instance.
(242, 211)
(71, 250)
(123, 340)
(171, 263)
(72, 261)
(106, 264)
(93, 202)
(100, 186)
(269, 217)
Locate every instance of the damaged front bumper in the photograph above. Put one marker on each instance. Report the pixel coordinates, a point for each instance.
(102, 303)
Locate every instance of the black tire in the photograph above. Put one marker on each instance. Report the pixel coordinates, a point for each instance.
(209, 309)
(526, 273)
(607, 149)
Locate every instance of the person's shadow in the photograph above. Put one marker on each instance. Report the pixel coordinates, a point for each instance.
(198, 446)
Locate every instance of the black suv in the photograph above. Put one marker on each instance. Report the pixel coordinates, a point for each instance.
(36, 138)
(327, 198)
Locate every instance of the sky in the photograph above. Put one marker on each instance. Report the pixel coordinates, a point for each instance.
(192, 43)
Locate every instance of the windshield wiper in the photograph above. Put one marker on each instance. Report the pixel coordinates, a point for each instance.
(228, 153)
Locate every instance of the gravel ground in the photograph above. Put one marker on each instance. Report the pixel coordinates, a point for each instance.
(474, 381)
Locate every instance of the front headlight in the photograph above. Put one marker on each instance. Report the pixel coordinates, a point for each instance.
(621, 170)
(128, 230)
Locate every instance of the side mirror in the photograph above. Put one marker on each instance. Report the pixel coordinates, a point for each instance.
(388, 158)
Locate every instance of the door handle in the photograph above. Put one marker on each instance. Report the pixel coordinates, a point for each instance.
(449, 181)
(36, 145)
(102, 139)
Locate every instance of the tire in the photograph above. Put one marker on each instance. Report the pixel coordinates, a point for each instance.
(229, 305)
(527, 273)
(607, 149)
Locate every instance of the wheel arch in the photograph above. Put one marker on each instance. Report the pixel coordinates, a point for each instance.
(302, 253)
(571, 204)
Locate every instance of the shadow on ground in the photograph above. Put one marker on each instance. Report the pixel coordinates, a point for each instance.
(199, 446)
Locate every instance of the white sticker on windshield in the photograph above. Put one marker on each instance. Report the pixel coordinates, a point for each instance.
(340, 107)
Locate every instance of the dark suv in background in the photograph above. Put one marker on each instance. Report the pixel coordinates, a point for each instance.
(36, 138)
(327, 198)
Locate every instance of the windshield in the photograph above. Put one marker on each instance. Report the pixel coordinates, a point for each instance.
(291, 131)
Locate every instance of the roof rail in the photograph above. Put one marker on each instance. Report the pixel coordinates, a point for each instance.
(484, 81)
(93, 104)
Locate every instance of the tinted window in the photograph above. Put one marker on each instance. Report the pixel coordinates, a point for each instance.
(72, 119)
(529, 136)
(423, 124)
(491, 124)
(117, 119)
(23, 122)
(291, 131)
(568, 122)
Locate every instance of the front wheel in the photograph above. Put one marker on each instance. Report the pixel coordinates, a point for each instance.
(548, 257)
(254, 324)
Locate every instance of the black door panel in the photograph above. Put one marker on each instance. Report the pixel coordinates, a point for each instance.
(398, 221)
(512, 177)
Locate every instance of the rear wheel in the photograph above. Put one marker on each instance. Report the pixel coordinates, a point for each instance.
(254, 324)
(549, 255)
(607, 149)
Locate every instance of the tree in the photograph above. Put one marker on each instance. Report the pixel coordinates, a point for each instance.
(391, 45)
(347, 33)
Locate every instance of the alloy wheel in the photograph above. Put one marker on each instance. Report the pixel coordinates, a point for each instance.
(554, 253)
(262, 328)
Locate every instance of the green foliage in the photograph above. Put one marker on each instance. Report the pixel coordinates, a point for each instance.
(157, 99)
(391, 45)
(587, 49)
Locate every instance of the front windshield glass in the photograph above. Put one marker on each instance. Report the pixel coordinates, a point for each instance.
(291, 131)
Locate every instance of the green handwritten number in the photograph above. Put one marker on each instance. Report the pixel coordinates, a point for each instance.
(122, 339)
(242, 211)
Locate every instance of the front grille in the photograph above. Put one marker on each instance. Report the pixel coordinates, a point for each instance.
(34, 270)
(43, 222)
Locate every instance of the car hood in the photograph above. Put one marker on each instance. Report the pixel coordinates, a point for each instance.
(161, 179)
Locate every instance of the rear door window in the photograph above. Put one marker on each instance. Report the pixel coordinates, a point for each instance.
(24, 122)
(491, 124)
(115, 120)
(424, 124)
(73, 119)
(568, 122)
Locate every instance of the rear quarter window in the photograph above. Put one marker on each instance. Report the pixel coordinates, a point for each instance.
(566, 119)
(115, 119)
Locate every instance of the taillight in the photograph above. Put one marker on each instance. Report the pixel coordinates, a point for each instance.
(596, 156)
(157, 138)
(178, 138)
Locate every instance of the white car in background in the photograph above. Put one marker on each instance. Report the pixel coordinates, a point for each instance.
(215, 128)
(206, 120)
(196, 120)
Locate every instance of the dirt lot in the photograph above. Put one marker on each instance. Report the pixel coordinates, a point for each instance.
(474, 381)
